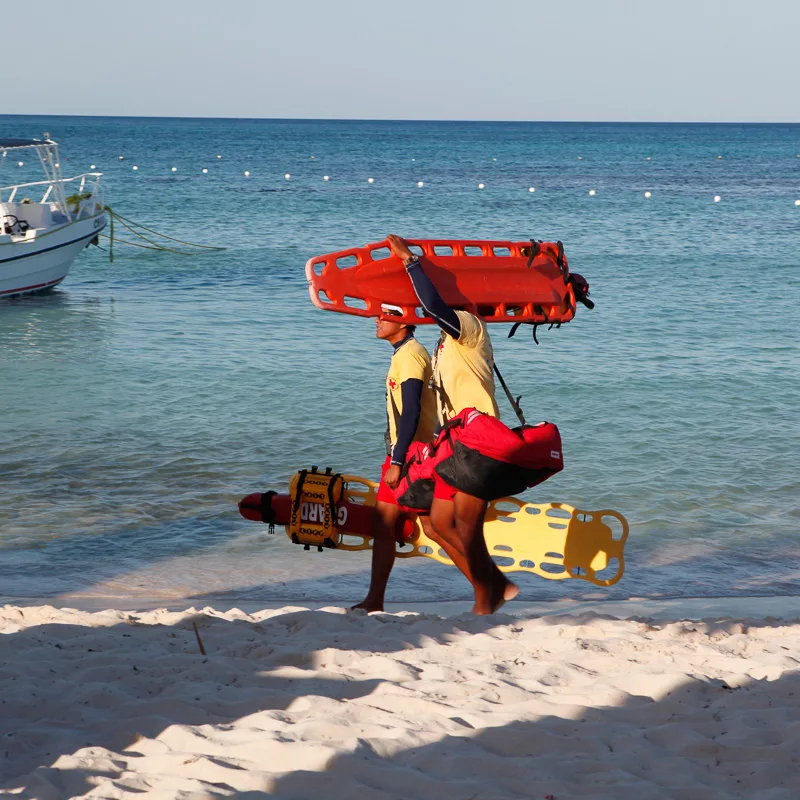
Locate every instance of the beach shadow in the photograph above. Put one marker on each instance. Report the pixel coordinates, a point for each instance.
(62, 688)
(703, 738)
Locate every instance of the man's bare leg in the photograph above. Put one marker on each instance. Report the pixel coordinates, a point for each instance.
(383, 553)
(469, 518)
(454, 548)
(460, 523)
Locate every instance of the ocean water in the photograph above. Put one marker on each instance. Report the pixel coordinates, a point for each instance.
(141, 399)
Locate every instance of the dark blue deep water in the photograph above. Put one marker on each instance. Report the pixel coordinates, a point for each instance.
(141, 399)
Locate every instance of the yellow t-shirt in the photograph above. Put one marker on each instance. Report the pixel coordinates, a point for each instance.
(410, 361)
(463, 370)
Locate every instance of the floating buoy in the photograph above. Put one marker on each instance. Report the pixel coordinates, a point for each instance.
(719, 157)
(247, 173)
(480, 186)
(326, 177)
(174, 169)
(531, 189)
(91, 166)
(287, 176)
(219, 156)
(494, 159)
(592, 192)
(22, 164)
(580, 158)
(717, 198)
(134, 168)
(797, 202)
(57, 165)
(648, 158)
(370, 180)
(205, 171)
(312, 157)
(420, 184)
(414, 159)
(647, 194)
(122, 158)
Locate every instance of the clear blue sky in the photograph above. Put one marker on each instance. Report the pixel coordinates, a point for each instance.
(627, 60)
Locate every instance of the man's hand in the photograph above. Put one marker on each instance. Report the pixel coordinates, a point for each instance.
(392, 476)
(400, 248)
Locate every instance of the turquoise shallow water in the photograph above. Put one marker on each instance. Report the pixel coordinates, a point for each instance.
(143, 398)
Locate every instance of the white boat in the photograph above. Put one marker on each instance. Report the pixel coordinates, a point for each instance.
(40, 238)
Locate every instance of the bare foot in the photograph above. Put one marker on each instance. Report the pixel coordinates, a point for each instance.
(368, 606)
(510, 591)
(502, 591)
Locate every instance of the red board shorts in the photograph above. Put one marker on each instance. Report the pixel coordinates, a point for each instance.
(443, 490)
(405, 526)
(385, 494)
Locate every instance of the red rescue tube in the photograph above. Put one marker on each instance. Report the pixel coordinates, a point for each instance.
(496, 280)
(352, 518)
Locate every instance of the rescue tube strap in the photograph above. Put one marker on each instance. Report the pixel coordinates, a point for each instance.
(445, 405)
(267, 511)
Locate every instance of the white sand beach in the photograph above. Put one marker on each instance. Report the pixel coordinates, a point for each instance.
(299, 703)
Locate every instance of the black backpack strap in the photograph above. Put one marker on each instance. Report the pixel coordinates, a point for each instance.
(299, 492)
(514, 403)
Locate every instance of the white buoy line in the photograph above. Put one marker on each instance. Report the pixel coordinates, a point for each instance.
(420, 184)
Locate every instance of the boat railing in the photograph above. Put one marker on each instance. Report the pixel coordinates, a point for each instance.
(83, 187)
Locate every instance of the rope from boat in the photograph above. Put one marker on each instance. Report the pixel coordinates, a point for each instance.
(132, 226)
(133, 244)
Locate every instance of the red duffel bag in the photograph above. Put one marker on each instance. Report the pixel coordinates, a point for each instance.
(479, 455)
(414, 492)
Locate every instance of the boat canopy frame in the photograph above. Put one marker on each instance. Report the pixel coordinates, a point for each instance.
(47, 151)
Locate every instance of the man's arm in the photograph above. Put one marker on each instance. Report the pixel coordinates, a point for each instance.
(429, 298)
(411, 394)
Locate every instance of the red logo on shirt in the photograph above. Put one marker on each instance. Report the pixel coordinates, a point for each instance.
(392, 384)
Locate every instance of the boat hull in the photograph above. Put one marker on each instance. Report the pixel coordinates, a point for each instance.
(43, 261)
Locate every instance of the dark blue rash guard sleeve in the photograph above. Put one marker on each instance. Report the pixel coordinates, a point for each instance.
(431, 301)
(411, 394)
